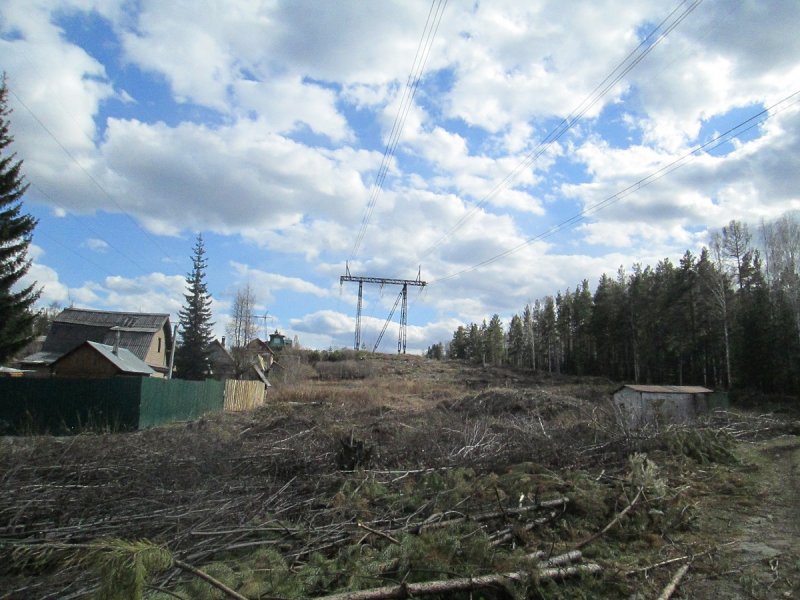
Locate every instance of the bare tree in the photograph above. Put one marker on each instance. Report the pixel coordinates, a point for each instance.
(735, 246)
(782, 249)
(242, 329)
(714, 279)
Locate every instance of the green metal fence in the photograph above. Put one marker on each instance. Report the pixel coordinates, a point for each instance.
(168, 400)
(61, 406)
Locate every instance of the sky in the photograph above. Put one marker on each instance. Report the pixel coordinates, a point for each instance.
(501, 151)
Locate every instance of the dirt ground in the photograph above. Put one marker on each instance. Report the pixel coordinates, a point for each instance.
(757, 528)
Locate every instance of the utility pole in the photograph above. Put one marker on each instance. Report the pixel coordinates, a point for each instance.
(401, 340)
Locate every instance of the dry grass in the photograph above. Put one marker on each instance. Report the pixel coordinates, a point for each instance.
(428, 439)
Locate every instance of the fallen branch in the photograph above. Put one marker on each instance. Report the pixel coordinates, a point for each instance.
(689, 557)
(505, 535)
(463, 584)
(613, 522)
(673, 584)
(562, 559)
(488, 516)
(663, 563)
(378, 533)
(208, 579)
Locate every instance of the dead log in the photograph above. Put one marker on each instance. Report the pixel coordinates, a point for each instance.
(562, 559)
(488, 516)
(673, 584)
(463, 584)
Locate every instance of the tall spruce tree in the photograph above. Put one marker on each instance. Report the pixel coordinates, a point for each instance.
(191, 357)
(16, 229)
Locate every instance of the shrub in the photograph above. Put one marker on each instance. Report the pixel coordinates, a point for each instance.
(346, 369)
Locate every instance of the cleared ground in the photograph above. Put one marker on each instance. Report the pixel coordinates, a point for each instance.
(416, 471)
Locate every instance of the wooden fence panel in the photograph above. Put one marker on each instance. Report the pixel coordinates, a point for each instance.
(243, 395)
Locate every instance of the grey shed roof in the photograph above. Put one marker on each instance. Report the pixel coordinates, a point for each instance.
(76, 325)
(667, 389)
(124, 359)
(40, 358)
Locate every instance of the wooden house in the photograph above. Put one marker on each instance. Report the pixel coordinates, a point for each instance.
(252, 364)
(262, 349)
(148, 336)
(643, 404)
(223, 365)
(94, 360)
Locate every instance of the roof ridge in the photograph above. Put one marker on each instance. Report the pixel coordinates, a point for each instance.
(113, 312)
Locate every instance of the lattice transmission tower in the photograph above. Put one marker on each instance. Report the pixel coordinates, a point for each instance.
(402, 299)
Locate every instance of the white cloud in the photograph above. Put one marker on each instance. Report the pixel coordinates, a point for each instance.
(279, 114)
(46, 279)
(265, 285)
(96, 245)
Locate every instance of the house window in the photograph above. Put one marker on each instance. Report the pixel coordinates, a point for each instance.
(159, 345)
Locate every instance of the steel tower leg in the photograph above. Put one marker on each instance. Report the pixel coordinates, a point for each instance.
(357, 345)
(401, 341)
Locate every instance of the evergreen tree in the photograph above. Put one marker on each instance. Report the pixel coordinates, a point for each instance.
(564, 331)
(754, 359)
(475, 344)
(191, 357)
(495, 341)
(582, 308)
(528, 328)
(549, 334)
(436, 351)
(458, 347)
(516, 342)
(16, 229)
(609, 329)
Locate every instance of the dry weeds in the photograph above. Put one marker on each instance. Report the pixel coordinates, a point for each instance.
(423, 441)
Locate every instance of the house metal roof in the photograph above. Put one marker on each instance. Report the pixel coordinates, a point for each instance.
(124, 359)
(40, 358)
(667, 389)
(104, 318)
(76, 325)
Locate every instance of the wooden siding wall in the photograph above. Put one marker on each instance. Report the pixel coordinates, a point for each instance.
(154, 356)
(243, 395)
(85, 363)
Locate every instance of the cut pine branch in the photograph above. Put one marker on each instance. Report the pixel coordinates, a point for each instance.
(209, 579)
(613, 522)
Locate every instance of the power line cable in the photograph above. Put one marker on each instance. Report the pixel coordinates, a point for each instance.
(89, 175)
(89, 228)
(713, 143)
(409, 92)
(665, 27)
(75, 252)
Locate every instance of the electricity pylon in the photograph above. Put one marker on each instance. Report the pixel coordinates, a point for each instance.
(401, 340)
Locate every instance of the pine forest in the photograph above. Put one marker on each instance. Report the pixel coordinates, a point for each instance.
(728, 318)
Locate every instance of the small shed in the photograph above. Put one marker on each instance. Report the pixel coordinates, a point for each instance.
(643, 404)
(95, 360)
